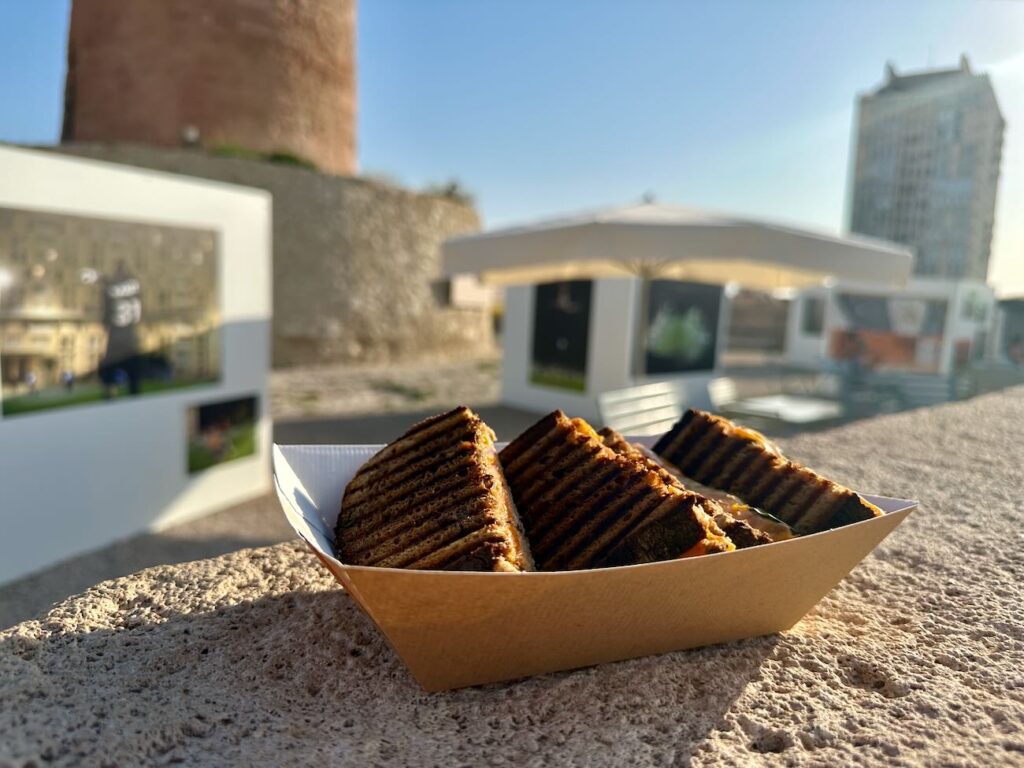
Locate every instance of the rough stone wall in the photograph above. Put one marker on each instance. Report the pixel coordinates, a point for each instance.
(355, 261)
(273, 75)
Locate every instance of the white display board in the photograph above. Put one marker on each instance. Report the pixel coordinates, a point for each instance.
(940, 318)
(615, 331)
(140, 457)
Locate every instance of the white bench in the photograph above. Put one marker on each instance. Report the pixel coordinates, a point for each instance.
(648, 409)
(652, 409)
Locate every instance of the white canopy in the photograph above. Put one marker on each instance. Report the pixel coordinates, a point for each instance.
(667, 241)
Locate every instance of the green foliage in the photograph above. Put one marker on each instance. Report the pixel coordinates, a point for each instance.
(280, 157)
(290, 158)
(241, 443)
(236, 150)
(559, 378)
(450, 190)
(679, 335)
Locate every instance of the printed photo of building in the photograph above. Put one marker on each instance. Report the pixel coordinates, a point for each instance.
(92, 309)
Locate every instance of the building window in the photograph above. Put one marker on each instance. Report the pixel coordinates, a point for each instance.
(812, 316)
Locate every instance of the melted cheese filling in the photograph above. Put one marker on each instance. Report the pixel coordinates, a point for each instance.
(709, 546)
(754, 436)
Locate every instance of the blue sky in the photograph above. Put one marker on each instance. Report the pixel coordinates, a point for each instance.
(546, 107)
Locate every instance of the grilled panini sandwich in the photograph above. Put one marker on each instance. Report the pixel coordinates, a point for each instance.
(585, 506)
(739, 532)
(435, 498)
(717, 453)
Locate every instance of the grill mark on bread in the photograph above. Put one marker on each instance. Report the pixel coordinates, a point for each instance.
(535, 456)
(741, 533)
(369, 512)
(453, 483)
(807, 504)
(455, 459)
(622, 446)
(445, 547)
(425, 540)
(615, 525)
(746, 455)
(671, 439)
(817, 516)
(811, 498)
(591, 521)
(511, 454)
(553, 504)
(562, 470)
(762, 484)
(791, 496)
(425, 462)
(793, 493)
(690, 434)
(429, 431)
(699, 442)
(430, 498)
(412, 447)
(851, 509)
(421, 519)
(581, 500)
(747, 479)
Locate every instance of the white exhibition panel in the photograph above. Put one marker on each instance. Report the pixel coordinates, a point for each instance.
(807, 349)
(813, 350)
(76, 478)
(614, 331)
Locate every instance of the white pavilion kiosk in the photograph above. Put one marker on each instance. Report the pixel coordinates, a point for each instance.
(621, 297)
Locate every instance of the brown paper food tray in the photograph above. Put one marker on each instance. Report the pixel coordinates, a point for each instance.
(458, 629)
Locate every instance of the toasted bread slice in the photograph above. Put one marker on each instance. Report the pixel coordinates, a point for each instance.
(741, 534)
(435, 498)
(716, 452)
(585, 506)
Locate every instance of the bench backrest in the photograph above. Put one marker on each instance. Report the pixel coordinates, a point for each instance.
(650, 409)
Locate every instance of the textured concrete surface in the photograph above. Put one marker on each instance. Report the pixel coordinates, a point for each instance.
(254, 657)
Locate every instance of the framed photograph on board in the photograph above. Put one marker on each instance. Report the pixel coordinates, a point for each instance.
(95, 310)
(894, 333)
(221, 431)
(679, 328)
(561, 327)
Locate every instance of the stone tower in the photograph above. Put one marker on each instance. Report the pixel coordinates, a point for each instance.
(265, 75)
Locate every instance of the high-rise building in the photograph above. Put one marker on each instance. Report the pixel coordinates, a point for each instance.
(926, 167)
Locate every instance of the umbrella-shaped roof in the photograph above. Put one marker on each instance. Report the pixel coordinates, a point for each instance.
(668, 241)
